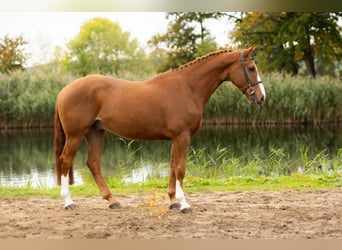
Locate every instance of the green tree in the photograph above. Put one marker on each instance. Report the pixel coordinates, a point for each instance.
(12, 53)
(101, 47)
(206, 46)
(185, 34)
(287, 40)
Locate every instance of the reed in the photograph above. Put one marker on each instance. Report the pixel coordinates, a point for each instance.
(276, 162)
(27, 99)
(289, 100)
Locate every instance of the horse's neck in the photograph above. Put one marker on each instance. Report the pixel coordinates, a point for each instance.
(205, 76)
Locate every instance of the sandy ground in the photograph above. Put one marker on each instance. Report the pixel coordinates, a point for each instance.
(216, 215)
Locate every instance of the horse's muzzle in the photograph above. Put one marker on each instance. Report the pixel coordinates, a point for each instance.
(254, 98)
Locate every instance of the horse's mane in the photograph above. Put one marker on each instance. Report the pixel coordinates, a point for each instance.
(215, 53)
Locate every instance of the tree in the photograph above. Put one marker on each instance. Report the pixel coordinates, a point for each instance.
(206, 46)
(186, 31)
(195, 19)
(287, 39)
(12, 53)
(101, 47)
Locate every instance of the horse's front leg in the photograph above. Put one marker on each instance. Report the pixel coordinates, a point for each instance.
(177, 171)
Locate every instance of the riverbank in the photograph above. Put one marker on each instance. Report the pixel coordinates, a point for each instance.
(191, 184)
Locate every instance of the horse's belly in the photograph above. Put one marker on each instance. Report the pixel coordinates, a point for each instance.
(149, 119)
(138, 129)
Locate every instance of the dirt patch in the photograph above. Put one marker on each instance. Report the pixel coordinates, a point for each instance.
(216, 215)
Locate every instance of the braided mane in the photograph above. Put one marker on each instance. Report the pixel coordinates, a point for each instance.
(215, 53)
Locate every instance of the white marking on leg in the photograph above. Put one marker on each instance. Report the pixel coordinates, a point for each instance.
(180, 196)
(65, 193)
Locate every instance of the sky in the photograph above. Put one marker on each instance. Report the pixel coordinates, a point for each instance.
(46, 30)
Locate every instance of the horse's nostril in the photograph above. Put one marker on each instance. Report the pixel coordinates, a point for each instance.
(262, 99)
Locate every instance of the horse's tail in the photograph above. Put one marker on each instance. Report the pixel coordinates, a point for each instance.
(59, 142)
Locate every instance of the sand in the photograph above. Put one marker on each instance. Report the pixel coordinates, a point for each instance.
(216, 215)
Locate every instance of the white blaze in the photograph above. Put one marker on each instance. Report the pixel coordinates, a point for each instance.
(65, 193)
(261, 86)
(180, 196)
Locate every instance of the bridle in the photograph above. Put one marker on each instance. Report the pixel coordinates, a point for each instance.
(248, 89)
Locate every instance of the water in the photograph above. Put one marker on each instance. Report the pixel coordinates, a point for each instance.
(26, 157)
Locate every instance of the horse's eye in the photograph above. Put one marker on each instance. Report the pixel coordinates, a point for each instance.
(251, 68)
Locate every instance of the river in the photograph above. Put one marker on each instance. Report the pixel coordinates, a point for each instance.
(26, 157)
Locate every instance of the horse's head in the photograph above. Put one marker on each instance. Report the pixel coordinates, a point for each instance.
(245, 76)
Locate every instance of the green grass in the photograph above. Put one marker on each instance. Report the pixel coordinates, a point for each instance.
(191, 183)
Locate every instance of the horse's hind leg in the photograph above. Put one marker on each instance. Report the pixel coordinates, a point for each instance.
(66, 158)
(95, 139)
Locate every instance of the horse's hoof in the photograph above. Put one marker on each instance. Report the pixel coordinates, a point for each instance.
(115, 205)
(186, 210)
(69, 207)
(175, 206)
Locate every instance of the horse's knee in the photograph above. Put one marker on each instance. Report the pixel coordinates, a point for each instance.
(66, 165)
(94, 167)
(172, 188)
(180, 173)
(171, 193)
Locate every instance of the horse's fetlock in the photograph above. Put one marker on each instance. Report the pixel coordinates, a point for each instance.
(106, 196)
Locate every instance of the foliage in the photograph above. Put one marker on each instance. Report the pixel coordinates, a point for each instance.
(12, 54)
(286, 39)
(193, 18)
(102, 47)
(206, 46)
(186, 32)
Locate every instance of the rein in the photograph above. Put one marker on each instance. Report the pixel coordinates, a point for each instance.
(248, 89)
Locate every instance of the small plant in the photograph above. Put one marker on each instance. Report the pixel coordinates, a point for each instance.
(318, 163)
(337, 164)
(42, 185)
(154, 205)
(29, 184)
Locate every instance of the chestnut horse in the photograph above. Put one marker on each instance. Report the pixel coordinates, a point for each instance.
(168, 106)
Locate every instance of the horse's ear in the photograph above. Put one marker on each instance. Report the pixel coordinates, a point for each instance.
(248, 51)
